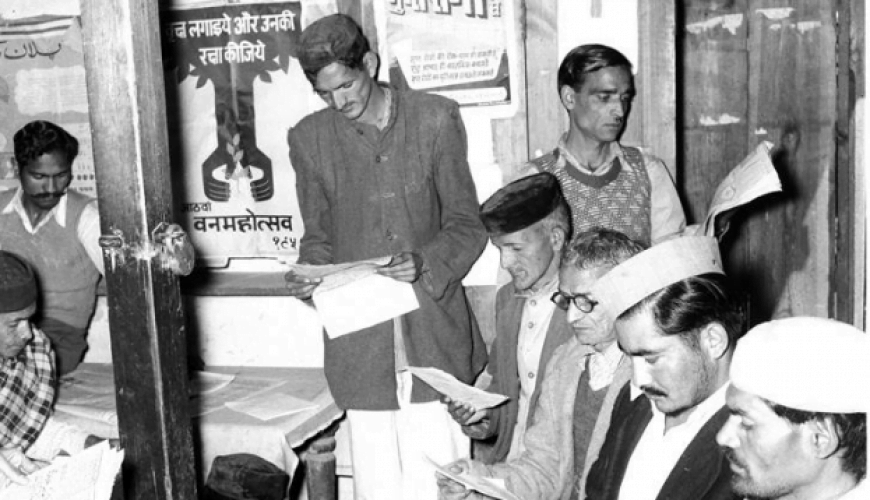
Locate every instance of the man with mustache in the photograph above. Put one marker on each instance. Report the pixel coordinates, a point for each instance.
(58, 229)
(798, 406)
(28, 430)
(582, 381)
(529, 222)
(384, 171)
(608, 184)
(678, 320)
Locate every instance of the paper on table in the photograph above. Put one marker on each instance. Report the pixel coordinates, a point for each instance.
(448, 385)
(93, 411)
(206, 382)
(363, 303)
(268, 405)
(754, 177)
(87, 475)
(488, 486)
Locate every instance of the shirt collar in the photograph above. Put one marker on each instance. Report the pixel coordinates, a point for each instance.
(603, 365)
(703, 411)
(17, 206)
(543, 291)
(613, 151)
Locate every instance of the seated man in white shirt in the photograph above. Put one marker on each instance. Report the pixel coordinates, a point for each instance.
(798, 402)
(679, 322)
(581, 383)
(28, 431)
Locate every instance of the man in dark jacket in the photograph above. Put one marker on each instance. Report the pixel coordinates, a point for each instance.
(529, 222)
(381, 172)
(679, 322)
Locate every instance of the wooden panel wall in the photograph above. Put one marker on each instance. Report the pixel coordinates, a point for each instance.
(765, 70)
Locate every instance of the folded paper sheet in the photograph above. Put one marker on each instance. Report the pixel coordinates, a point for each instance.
(448, 385)
(89, 475)
(490, 487)
(361, 301)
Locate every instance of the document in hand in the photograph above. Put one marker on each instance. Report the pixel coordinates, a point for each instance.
(488, 486)
(89, 475)
(754, 177)
(448, 385)
(355, 298)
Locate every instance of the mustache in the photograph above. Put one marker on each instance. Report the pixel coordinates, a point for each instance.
(732, 457)
(653, 391)
(47, 196)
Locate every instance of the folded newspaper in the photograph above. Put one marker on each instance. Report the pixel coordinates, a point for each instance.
(753, 178)
(89, 475)
(491, 487)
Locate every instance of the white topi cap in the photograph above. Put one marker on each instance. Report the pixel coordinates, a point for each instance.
(651, 270)
(805, 363)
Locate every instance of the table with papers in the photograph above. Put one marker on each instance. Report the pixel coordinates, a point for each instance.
(295, 402)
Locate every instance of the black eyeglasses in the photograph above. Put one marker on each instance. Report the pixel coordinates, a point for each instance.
(581, 301)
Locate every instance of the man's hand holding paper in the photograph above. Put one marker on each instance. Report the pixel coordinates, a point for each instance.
(449, 386)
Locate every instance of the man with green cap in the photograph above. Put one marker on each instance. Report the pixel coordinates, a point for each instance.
(27, 429)
(384, 171)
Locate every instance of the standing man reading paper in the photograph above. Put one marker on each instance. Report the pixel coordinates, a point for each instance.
(384, 172)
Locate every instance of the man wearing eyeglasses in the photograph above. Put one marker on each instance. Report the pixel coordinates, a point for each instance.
(580, 386)
(529, 222)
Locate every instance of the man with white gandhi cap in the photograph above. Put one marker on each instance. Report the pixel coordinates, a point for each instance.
(798, 406)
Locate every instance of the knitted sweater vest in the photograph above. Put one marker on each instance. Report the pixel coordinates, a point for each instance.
(67, 276)
(621, 203)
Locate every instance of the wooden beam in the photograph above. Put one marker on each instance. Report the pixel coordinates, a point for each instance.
(128, 118)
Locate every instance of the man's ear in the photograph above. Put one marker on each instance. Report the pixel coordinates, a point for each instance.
(372, 62)
(567, 96)
(824, 440)
(714, 340)
(557, 238)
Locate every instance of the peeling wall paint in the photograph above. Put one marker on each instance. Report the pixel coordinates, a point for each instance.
(730, 22)
(776, 14)
(723, 119)
(805, 26)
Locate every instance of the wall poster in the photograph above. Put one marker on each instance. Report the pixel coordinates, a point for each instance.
(42, 77)
(461, 49)
(234, 88)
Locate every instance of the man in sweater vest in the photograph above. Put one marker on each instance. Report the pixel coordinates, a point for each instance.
(57, 229)
(608, 184)
(582, 381)
(529, 222)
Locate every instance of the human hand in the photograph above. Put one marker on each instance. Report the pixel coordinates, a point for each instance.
(300, 287)
(463, 413)
(15, 466)
(404, 266)
(449, 489)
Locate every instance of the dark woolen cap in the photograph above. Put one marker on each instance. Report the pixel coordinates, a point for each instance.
(521, 203)
(17, 283)
(329, 39)
(243, 476)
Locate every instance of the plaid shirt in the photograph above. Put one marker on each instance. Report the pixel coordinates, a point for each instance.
(26, 392)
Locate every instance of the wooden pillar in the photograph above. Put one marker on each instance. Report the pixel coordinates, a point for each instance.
(128, 119)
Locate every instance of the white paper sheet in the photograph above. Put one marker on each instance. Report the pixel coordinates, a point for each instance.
(363, 303)
(89, 475)
(208, 382)
(448, 385)
(494, 488)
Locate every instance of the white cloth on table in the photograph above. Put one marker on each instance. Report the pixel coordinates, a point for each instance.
(389, 448)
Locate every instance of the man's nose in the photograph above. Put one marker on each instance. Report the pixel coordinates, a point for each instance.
(618, 109)
(639, 374)
(25, 332)
(52, 185)
(338, 100)
(725, 436)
